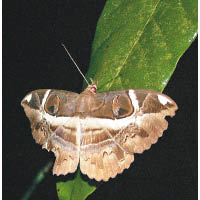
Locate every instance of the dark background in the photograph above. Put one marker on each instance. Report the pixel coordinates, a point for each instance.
(33, 58)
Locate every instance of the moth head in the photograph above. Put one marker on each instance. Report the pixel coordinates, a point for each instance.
(92, 87)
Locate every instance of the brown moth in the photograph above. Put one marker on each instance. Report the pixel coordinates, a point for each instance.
(101, 131)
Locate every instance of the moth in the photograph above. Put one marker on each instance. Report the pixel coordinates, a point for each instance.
(99, 131)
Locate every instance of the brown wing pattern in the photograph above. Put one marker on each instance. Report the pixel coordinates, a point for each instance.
(100, 156)
(57, 134)
(103, 130)
(65, 144)
(108, 146)
(149, 122)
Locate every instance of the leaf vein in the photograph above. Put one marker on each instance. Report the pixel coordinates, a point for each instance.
(125, 61)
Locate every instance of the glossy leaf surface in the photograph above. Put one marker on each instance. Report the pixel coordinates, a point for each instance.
(138, 43)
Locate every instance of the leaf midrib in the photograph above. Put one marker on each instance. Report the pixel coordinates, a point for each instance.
(125, 60)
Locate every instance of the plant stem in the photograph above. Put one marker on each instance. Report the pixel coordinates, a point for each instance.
(39, 177)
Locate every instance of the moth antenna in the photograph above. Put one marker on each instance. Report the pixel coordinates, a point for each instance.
(74, 63)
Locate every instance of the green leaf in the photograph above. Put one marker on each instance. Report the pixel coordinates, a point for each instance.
(137, 44)
(74, 189)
